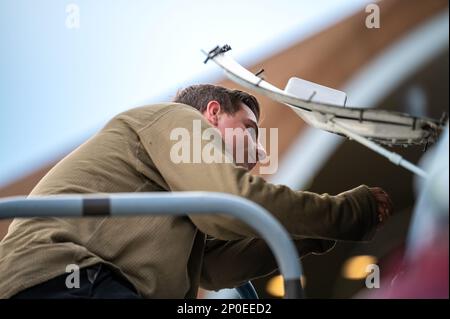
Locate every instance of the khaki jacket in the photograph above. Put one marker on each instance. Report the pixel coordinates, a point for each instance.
(168, 256)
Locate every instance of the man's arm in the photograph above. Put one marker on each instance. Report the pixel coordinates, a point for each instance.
(228, 264)
(351, 215)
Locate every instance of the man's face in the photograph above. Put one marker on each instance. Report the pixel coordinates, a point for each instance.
(239, 132)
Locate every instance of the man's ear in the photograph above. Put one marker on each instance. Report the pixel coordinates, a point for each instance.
(212, 111)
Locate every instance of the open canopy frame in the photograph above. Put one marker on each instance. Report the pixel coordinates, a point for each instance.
(369, 127)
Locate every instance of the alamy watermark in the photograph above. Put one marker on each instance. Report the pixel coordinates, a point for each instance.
(373, 278)
(73, 278)
(373, 17)
(242, 146)
(73, 16)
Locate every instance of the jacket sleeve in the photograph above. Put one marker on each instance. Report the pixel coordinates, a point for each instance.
(229, 264)
(348, 216)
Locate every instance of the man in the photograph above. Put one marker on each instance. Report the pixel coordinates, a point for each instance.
(168, 256)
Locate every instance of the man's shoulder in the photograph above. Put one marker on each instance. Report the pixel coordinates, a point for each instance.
(151, 110)
(140, 117)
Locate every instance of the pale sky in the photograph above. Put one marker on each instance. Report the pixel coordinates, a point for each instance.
(59, 85)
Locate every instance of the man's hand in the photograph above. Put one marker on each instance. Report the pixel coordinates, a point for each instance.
(384, 204)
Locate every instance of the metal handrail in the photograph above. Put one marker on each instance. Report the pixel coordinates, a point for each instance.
(247, 291)
(169, 203)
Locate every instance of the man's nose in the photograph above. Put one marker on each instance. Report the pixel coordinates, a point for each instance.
(262, 154)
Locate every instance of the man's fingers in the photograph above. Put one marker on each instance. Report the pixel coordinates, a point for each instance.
(389, 200)
(391, 204)
(384, 203)
(387, 208)
(384, 210)
(383, 197)
(387, 211)
(388, 203)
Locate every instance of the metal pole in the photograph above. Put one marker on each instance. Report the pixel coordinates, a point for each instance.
(169, 203)
(393, 157)
(247, 291)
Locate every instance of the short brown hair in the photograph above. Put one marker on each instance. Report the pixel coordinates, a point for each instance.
(199, 95)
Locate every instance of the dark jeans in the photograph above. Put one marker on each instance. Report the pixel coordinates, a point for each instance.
(96, 282)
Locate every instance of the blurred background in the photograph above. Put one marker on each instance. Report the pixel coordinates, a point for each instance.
(67, 67)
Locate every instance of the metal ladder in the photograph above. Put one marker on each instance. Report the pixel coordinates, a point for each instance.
(171, 203)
